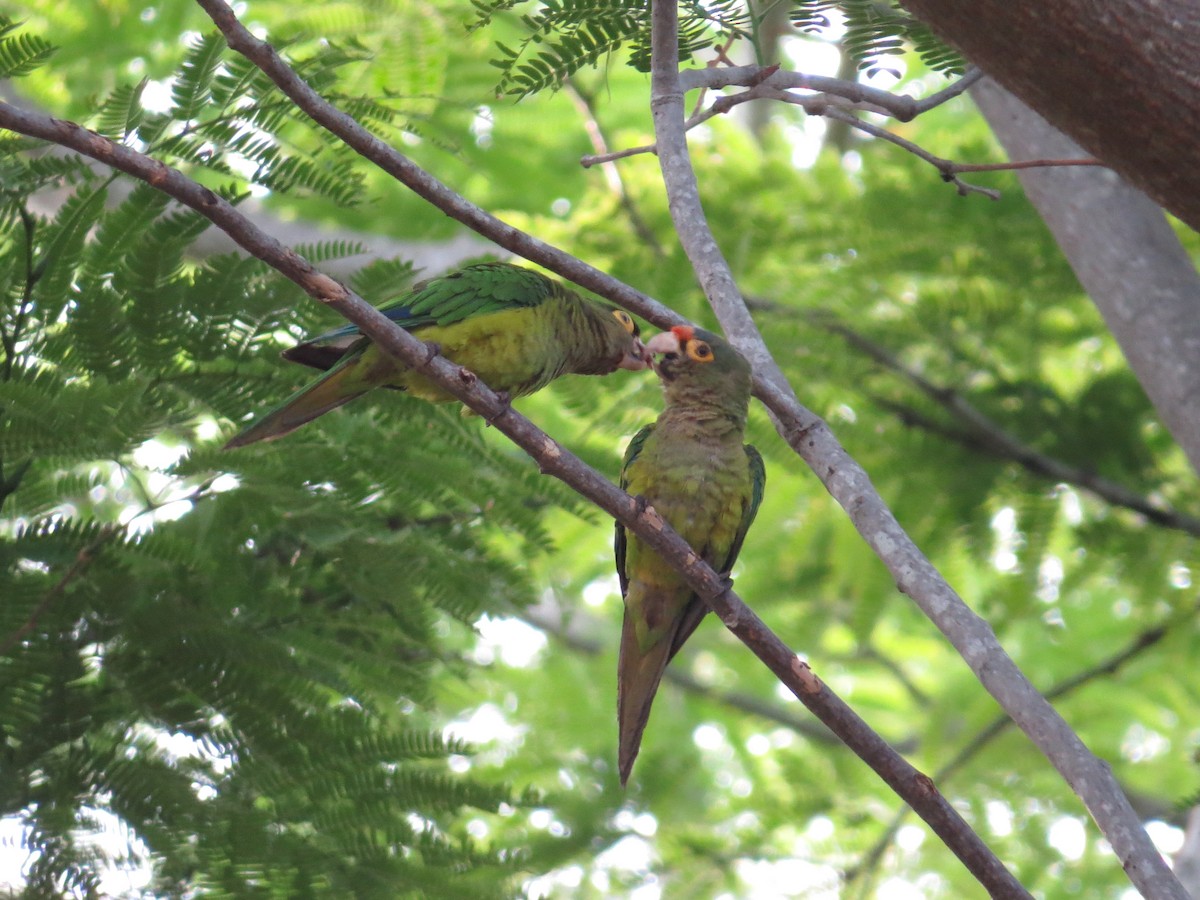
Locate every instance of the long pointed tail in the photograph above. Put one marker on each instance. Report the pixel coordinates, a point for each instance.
(639, 673)
(331, 390)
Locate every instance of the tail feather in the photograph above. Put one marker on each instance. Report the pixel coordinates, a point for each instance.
(639, 673)
(328, 392)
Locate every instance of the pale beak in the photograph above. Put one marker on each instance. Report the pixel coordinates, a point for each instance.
(666, 342)
(637, 359)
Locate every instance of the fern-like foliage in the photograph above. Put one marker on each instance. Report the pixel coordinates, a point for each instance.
(875, 30)
(230, 654)
(228, 119)
(20, 54)
(565, 36)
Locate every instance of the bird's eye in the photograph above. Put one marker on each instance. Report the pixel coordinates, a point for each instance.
(699, 351)
(626, 320)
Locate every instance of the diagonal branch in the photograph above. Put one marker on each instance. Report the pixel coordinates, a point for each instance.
(944, 166)
(555, 460)
(849, 484)
(899, 106)
(83, 559)
(990, 436)
(1108, 666)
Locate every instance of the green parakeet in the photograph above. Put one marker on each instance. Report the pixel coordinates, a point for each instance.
(514, 328)
(693, 468)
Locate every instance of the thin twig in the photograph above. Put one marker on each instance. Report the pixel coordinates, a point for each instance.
(586, 107)
(83, 559)
(944, 166)
(990, 436)
(552, 459)
(972, 75)
(851, 487)
(597, 159)
(1023, 164)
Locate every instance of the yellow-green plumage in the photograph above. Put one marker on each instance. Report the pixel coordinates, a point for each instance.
(512, 327)
(691, 465)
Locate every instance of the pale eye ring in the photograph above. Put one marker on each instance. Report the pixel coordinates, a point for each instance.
(626, 320)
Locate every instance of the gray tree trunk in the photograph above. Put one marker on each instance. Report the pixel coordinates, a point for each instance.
(1126, 257)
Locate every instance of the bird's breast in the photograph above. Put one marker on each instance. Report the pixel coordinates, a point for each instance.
(510, 351)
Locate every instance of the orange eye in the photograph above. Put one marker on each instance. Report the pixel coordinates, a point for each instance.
(626, 320)
(699, 351)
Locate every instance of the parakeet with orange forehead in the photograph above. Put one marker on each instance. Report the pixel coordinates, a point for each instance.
(516, 329)
(692, 466)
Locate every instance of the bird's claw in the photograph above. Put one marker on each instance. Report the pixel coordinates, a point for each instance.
(504, 399)
(726, 580)
(432, 349)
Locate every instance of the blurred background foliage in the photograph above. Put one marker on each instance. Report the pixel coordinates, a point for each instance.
(377, 658)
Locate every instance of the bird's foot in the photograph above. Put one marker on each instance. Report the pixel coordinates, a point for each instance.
(504, 399)
(432, 349)
(726, 579)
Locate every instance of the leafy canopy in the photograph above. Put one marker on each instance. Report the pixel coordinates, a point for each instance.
(249, 661)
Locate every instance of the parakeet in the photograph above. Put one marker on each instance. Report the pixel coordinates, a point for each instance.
(514, 328)
(693, 468)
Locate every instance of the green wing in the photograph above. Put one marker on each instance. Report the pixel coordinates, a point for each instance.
(758, 481)
(631, 453)
(470, 291)
(473, 291)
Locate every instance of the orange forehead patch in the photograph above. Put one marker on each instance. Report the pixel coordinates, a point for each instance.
(684, 332)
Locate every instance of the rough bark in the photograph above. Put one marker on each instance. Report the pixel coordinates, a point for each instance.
(1121, 78)
(1126, 257)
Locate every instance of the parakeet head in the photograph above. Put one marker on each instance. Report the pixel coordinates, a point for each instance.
(623, 336)
(693, 363)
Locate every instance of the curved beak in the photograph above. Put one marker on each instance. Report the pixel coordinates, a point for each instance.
(636, 359)
(666, 342)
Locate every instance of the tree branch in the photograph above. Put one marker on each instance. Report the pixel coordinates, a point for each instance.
(555, 460)
(971, 636)
(899, 106)
(988, 435)
(83, 559)
(972, 748)
(1150, 300)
